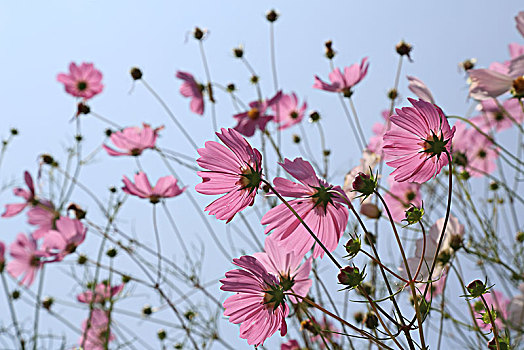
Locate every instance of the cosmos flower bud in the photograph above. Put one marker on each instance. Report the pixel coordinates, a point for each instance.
(364, 184)
(350, 276)
(79, 212)
(14, 131)
(352, 247)
(82, 108)
(147, 310)
(48, 302)
(161, 334)
(370, 210)
(111, 252)
(230, 87)
(392, 94)
(404, 49)
(309, 325)
(136, 73)
(296, 138)
(254, 79)
(198, 34)
(413, 215)
(330, 53)
(476, 288)
(238, 51)
(272, 15)
(371, 321)
(16, 294)
(520, 236)
(49, 160)
(314, 117)
(468, 64)
(359, 317)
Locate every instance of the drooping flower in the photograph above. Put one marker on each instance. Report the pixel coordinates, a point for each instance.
(97, 334)
(400, 197)
(287, 111)
(234, 169)
(290, 345)
(495, 300)
(344, 83)
(497, 80)
(258, 305)
(82, 81)
(192, 89)
(318, 203)
(166, 187)
(520, 22)
(287, 267)
(133, 141)
(516, 305)
(454, 229)
(256, 117)
(494, 117)
(28, 195)
(27, 259)
(420, 89)
(69, 234)
(416, 148)
(103, 292)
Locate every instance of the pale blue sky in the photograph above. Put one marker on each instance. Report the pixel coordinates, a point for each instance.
(38, 40)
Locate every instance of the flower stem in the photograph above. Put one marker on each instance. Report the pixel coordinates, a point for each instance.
(495, 332)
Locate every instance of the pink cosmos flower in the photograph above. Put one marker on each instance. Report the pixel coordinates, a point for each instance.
(191, 88)
(400, 197)
(258, 304)
(420, 89)
(133, 141)
(234, 169)
(343, 83)
(69, 234)
(82, 81)
(497, 301)
(318, 203)
(515, 50)
(416, 148)
(290, 345)
(453, 228)
(27, 259)
(474, 151)
(520, 22)
(516, 305)
(43, 216)
(494, 117)
(286, 266)
(256, 117)
(166, 187)
(96, 336)
(287, 111)
(28, 195)
(495, 81)
(376, 142)
(103, 292)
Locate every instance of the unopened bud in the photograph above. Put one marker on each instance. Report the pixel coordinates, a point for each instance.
(296, 138)
(136, 73)
(353, 247)
(392, 94)
(359, 317)
(111, 252)
(404, 49)
(230, 87)
(520, 236)
(350, 276)
(161, 334)
(371, 321)
(15, 294)
(370, 210)
(147, 310)
(82, 108)
(238, 51)
(272, 15)
(198, 33)
(314, 116)
(476, 288)
(48, 302)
